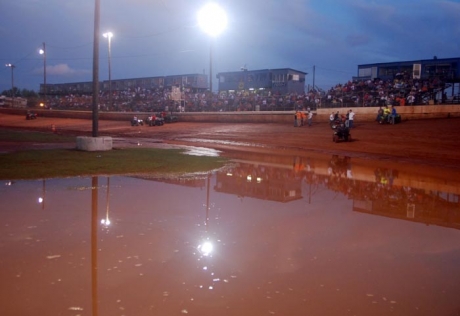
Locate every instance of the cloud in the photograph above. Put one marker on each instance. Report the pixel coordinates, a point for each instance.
(358, 39)
(65, 70)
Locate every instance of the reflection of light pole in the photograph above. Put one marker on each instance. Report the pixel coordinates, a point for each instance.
(12, 83)
(109, 36)
(212, 20)
(94, 249)
(206, 247)
(43, 197)
(106, 221)
(42, 51)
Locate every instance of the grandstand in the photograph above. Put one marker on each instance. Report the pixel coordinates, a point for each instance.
(445, 70)
(417, 82)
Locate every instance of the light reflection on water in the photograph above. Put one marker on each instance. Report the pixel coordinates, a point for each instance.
(305, 237)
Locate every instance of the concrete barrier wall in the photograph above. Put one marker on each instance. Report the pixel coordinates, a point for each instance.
(322, 114)
(406, 112)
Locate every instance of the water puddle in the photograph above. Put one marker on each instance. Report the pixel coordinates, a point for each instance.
(290, 236)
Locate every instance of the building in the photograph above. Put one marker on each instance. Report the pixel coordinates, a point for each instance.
(445, 69)
(67, 88)
(193, 82)
(16, 102)
(282, 81)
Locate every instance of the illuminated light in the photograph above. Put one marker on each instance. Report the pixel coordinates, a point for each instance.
(229, 174)
(105, 222)
(210, 287)
(40, 200)
(259, 179)
(249, 178)
(42, 104)
(205, 248)
(251, 89)
(212, 19)
(108, 35)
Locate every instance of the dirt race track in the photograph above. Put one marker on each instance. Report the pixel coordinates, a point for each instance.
(430, 145)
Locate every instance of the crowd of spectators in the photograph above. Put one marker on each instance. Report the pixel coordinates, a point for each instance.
(401, 90)
(148, 100)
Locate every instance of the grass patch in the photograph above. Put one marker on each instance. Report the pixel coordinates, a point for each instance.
(36, 137)
(38, 164)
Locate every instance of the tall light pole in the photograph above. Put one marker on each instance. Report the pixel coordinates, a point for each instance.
(42, 51)
(213, 21)
(96, 36)
(12, 82)
(109, 36)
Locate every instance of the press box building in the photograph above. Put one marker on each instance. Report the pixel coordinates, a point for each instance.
(282, 81)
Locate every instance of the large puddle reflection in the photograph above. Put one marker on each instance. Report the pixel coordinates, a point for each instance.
(297, 237)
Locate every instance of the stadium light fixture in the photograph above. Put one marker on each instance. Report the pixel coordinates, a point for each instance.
(212, 19)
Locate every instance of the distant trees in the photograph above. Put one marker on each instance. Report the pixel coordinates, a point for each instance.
(24, 93)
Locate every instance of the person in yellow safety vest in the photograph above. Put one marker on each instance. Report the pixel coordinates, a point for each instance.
(386, 112)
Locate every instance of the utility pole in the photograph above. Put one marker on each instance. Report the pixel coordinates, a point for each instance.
(313, 77)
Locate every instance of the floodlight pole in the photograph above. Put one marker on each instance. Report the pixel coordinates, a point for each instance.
(210, 65)
(96, 35)
(110, 70)
(44, 71)
(212, 19)
(12, 82)
(109, 36)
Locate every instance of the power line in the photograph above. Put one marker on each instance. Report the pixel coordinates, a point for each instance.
(70, 47)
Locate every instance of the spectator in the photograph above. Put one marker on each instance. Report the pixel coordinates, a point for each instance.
(351, 117)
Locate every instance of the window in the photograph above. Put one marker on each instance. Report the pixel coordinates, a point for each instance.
(365, 72)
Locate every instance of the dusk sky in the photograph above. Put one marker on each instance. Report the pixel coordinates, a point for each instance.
(161, 37)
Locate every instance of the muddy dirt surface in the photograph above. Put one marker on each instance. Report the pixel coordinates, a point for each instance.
(422, 144)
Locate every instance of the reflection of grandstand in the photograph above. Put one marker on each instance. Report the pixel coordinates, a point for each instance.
(431, 210)
(390, 193)
(260, 182)
(374, 190)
